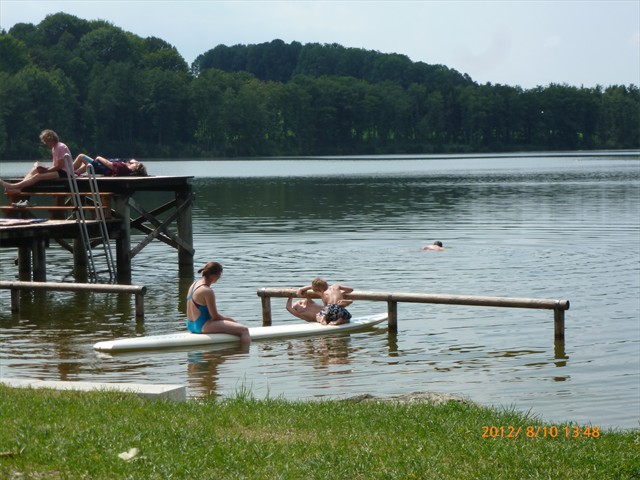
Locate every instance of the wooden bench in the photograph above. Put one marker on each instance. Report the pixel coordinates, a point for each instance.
(61, 207)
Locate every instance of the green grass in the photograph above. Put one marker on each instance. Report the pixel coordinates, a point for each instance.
(47, 434)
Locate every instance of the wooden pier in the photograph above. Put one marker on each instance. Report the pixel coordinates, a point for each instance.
(127, 214)
(392, 299)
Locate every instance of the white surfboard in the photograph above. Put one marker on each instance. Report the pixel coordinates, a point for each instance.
(188, 339)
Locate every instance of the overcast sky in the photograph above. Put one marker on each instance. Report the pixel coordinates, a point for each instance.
(511, 42)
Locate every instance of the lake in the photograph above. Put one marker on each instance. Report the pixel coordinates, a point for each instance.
(538, 226)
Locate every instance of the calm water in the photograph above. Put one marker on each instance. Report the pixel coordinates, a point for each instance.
(521, 226)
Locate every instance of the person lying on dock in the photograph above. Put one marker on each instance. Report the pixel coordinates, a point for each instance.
(39, 173)
(305, 309)
(437, 245)
(202, 313)
(334, 311)
(114, 167)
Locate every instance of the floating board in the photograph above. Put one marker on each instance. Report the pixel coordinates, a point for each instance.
(188, 339)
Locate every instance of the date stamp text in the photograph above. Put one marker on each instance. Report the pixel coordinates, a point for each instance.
(540, 431)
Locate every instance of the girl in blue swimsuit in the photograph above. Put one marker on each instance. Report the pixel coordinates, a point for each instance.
(202, 314)
(196, 325)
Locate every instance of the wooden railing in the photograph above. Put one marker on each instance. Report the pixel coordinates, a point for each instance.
(392, 299)
(137, 290)
(60, 208)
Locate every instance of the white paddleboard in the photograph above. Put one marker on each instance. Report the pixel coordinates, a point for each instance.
(188, 339)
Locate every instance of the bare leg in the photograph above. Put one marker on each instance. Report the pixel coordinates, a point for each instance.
(224, 326)
(29, 180)
(79, 166)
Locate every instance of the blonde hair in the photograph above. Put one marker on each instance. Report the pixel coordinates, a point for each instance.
(47, 135)
(319, 284)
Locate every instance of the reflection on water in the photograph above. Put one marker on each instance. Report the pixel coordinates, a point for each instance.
(517, 227)
(203, 368)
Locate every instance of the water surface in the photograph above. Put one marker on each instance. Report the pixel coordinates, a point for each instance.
(514, 226)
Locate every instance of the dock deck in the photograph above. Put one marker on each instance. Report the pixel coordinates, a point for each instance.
(32, 239)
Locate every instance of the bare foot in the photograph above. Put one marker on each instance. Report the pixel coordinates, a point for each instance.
(339, 321)
(9, 187)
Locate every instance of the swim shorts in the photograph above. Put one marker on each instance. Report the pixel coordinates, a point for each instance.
(334, 312)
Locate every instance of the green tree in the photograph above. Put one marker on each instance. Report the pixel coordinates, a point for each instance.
(114, 104)
(105, 45)
(619, 118)
(206, 111)
(164, 108)
(35, 99)
(14, 55)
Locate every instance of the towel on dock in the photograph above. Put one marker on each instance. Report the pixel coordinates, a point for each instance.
(6, 222)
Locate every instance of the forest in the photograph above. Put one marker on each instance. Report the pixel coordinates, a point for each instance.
(110, 92)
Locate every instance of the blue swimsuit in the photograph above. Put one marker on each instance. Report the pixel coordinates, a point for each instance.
(196, 325)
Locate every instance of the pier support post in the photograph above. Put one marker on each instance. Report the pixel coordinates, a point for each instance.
(24, 263)
(122, 210)
(184, 226)
(79, 261)
(39, 261)
(15, 300)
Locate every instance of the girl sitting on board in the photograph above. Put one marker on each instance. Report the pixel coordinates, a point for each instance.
(202, 314)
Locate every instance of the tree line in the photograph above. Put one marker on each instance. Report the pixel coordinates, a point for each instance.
(110, 92)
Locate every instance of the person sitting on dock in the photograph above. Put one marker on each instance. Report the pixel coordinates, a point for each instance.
(39, 173)
(202, 313)
(437, 245)
(114, 167)
(334, 311)
(305, 309)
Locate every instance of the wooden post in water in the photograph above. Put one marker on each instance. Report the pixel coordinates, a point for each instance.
(39, 260)
(392, 314)
(558, 322)
(266, 309)
(184, 224)
(80, 260)
(122, 210)
(24, 263)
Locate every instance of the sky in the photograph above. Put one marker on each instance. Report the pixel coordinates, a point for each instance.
(526, 43)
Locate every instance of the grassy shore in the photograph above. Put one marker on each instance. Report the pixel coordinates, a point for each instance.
(46, 434)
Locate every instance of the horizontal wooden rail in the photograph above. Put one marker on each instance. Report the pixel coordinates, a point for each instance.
(15, 286)
(392, 299)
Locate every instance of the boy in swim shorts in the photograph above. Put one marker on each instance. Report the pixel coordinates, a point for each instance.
(334, 311)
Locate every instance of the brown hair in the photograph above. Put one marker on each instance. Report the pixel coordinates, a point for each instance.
(319, 284)
(140, 171)
(211, 268)
(48, 135)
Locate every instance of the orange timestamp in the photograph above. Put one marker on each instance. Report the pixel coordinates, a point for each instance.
(540, 431)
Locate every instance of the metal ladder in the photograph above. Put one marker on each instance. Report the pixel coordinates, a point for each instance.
(80, 218)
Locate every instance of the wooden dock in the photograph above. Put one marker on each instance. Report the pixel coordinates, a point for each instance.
(127, 213)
